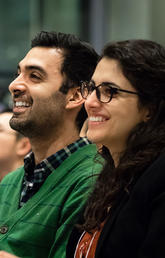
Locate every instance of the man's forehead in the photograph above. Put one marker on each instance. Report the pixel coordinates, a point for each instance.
(44, 53)
(5, 116)
(41, 55)
(4, 119)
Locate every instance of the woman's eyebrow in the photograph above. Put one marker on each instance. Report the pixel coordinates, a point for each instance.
(111, 84)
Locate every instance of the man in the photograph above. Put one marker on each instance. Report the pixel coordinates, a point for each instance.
(13, 146)
(40, 203)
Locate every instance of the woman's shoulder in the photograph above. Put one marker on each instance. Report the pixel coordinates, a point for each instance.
(152, 180)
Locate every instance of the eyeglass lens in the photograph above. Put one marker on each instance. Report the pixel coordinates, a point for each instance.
(103, 92)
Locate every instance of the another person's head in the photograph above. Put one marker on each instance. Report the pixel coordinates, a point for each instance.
(48, 82)
(13, 146)
(125, 102)
(137, 69)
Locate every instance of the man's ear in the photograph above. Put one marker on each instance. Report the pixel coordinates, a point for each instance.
(23, 146)
(74, 98)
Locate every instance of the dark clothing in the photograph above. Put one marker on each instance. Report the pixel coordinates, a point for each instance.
(136, 227)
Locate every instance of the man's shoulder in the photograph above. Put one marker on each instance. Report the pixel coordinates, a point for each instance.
(82, 164)
(13, 175)
(10, 185)
(89, 150)
(85, 156)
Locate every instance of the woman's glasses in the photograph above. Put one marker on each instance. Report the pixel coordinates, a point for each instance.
(104, 91)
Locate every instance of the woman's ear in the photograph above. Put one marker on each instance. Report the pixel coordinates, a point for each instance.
(74, 98)
(149, 111)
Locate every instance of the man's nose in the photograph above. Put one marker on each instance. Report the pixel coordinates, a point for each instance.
(17, 86)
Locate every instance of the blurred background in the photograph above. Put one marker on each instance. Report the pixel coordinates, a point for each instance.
(96, 21)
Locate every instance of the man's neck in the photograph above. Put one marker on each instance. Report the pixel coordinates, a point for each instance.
(44, 148)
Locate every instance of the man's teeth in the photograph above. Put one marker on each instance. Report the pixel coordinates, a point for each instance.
(96, 119)
(21, 104)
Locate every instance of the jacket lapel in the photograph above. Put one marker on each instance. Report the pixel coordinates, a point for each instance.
(110, 222)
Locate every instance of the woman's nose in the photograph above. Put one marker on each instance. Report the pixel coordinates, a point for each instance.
(92, 100)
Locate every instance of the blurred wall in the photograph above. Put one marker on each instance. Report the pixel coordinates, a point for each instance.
(130, 19)
(96, 21)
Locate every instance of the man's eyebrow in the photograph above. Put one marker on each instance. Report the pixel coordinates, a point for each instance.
(33, 67)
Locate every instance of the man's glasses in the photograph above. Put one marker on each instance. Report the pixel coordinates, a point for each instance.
(104, 91)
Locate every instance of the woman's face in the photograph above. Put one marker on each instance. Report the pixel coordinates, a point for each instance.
(110, 123)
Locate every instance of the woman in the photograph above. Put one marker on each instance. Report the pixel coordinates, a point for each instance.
(125, 102)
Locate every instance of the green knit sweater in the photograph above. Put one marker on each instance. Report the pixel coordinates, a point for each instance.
(42, 226)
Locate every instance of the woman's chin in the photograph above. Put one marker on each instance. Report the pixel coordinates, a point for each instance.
(93, 137)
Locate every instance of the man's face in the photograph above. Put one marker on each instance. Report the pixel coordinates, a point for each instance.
(8, 142)
(38, 105)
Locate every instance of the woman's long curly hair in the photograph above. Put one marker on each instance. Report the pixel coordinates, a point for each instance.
(143, 64)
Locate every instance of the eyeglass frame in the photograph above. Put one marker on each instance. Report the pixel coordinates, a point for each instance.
(114, 89)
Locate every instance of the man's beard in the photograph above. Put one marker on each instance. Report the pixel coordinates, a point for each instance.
(41, 121)
(24, 127)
